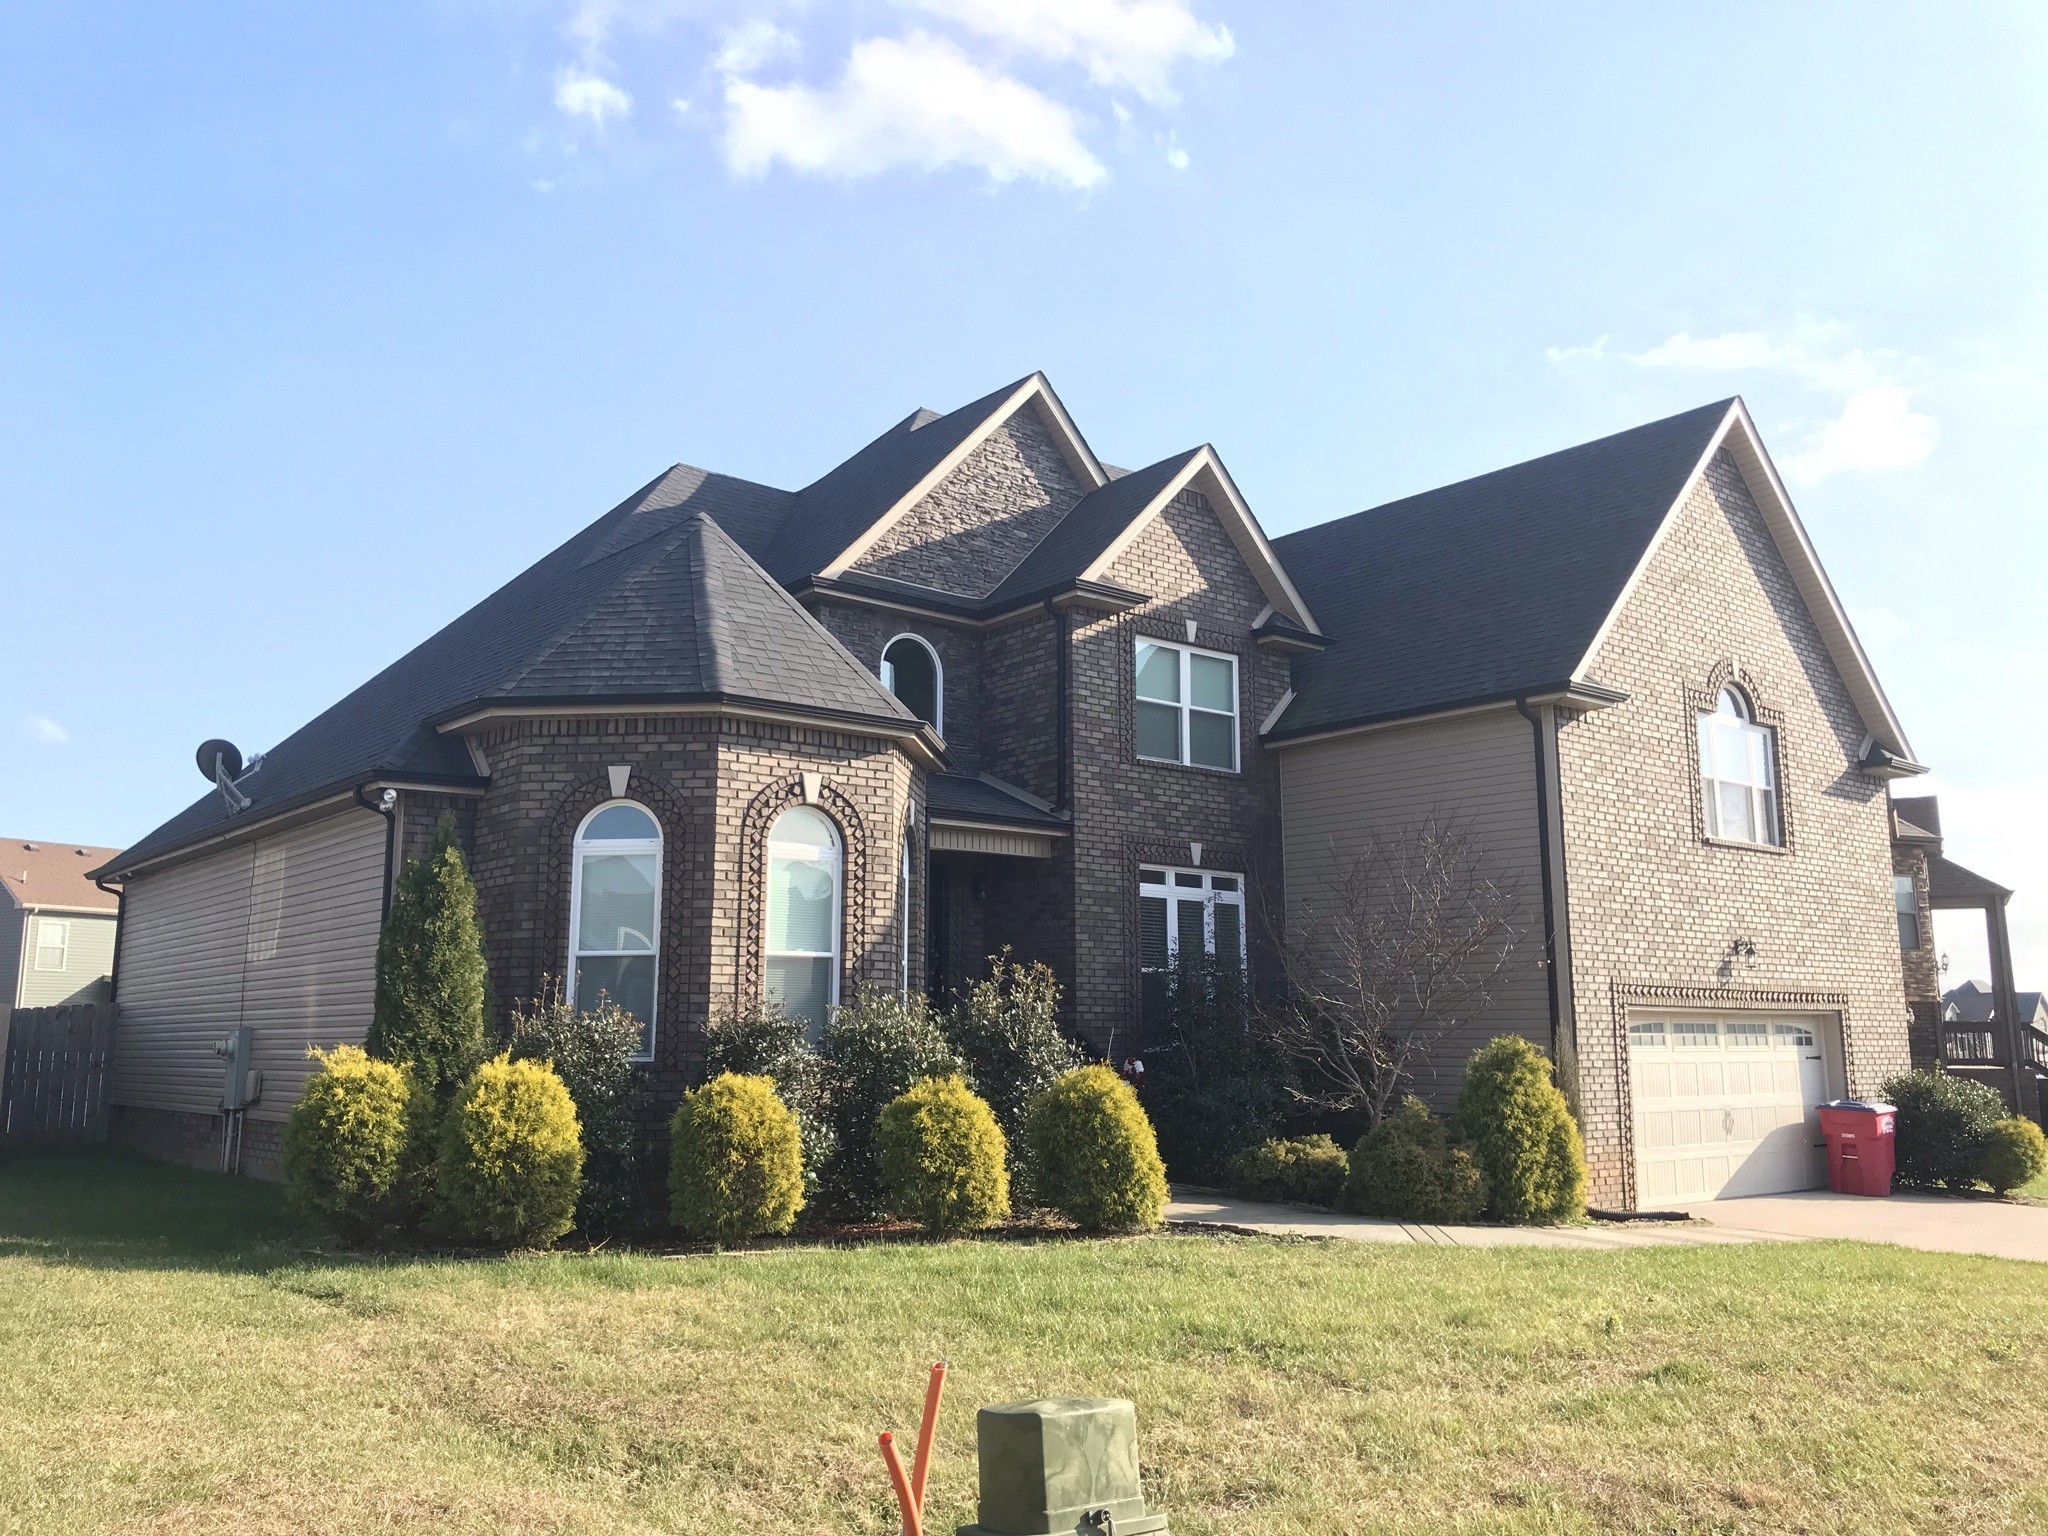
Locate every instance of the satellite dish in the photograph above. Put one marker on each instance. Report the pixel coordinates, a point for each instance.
(218, 759)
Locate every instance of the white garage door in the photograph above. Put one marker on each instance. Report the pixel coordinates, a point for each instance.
(1726, 1106)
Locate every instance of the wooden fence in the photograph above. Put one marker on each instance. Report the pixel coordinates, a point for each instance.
(53, 1083)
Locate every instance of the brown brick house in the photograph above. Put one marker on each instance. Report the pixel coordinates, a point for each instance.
(974, 688)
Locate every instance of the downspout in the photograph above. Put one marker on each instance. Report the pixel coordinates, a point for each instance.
(120, 927)
(1543, 844)
(1060, 663)
(385, 807)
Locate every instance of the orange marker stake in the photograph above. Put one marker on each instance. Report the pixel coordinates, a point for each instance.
(913, 1518)
(927, 1428)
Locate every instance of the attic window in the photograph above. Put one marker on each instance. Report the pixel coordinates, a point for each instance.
(1739, 774)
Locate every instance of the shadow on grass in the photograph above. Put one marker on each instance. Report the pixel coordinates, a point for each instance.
(108, 1208)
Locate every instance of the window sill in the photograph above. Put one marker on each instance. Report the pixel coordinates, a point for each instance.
(1167, 762)
(1746, 847)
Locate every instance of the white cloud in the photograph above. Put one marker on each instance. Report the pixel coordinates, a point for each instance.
(1877, 430)
(1721, 354)
(751, 45)
(43, 728)
(1591, 351)
(1132, 44)
(1176, 156)
(916, 101)
(579, 93)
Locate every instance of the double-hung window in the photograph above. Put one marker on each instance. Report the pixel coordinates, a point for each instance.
(615, 907)
(1187, 705)
(1739, 774)
(53, 943)
(1907, 900)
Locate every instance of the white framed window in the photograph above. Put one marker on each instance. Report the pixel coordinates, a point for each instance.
(804, 924)
(53, 943)
(911, 671)
(615, 913)
(1739, 774)
(1187, 705)
(1907, 901)
(1188, 910)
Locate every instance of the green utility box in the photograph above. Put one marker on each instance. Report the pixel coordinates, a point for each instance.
(1065, 1466)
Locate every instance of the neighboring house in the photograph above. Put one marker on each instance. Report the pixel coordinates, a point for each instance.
(973, 688)
(2014, 1060)
(56, 925)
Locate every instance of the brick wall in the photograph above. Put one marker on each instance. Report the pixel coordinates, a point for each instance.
(976, 525)
(1921, 967)
(715, 786)
(194, 1140)
(1655, 908)
(866, 632)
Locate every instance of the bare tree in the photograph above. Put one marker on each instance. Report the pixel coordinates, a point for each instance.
(1404, 941)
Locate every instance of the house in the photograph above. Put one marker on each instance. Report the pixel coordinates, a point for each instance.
(2005, 1048)
(56, 925)
(975, 688)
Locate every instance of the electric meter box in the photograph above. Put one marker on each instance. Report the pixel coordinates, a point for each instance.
(239, 1087)
(1059, 1466)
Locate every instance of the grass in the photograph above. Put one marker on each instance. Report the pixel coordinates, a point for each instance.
(178, 1360)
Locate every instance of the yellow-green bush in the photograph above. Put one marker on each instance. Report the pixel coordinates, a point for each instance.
(943, 1160)
(511, 1166)
(1094, 1154)
(2015, 1153)
(1514, 1116)
(348, 1146)
(736, 1160)
(1406, 1168)
(1309, 1170)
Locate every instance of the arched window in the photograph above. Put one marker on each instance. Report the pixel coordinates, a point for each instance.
(1739, 773)
(615, 913)
(803, 915)
(910, 670)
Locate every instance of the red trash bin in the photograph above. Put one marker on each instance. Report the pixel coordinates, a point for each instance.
(1862, 1146)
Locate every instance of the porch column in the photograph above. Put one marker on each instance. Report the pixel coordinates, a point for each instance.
(2005, 999)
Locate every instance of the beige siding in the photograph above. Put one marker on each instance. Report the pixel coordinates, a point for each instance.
(280, 935)
(1477, 770)
(88, 960)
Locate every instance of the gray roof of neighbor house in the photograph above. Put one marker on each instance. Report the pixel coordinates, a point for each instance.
(35, 872)
(1974, 1004)
(653, 602)
(1487, 589)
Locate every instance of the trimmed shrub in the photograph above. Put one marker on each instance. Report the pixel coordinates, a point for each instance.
(1407, 1168)
(590, 1050)
(1308, 1170)
(736, 1163)
(1006, 1032)
(429, 1013)
(511, 1155)
(764, 1041)
(1944, 1124)
(873, 1050)
(2015, 1153)
(1096, 1157)
(1213, 1084)
(943, 1158)
(1522, 1132)
(349, 1146)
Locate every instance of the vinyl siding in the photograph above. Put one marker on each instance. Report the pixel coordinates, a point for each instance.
(1476, 770)
(280, 935)
(88, 960)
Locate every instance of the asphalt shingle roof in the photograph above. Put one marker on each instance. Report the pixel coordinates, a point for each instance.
(1483, 589)
(968, 797)
(35, 872)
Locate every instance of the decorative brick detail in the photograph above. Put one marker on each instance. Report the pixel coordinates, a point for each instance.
(1655, 909)
(1704, 701)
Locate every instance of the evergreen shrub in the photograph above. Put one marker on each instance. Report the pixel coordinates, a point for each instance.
(1522, 1132)
(763, 1041)
(873, 1050)
(735, 1161)
(591, 1051)
(348, 1145)
(1943, 1127)
(2015, 1153)
(1005, 1030)
(429, 1011)
(1406, 1168)
(511, 1167)
(943, 1158)
(1095, 1154)
(1307, 1170)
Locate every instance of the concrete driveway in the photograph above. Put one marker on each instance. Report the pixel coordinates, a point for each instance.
(1936, 1223)
(1205, 1208)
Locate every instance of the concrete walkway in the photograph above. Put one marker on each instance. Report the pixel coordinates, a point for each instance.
(1208, 1209)
(1936, 1223)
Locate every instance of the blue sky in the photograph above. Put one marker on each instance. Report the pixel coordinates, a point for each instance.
(317, 322)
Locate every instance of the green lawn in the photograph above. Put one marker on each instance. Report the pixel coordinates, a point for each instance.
(177, 1361)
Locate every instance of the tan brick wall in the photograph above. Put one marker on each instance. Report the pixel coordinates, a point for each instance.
(1653, 904)
(980, 521)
